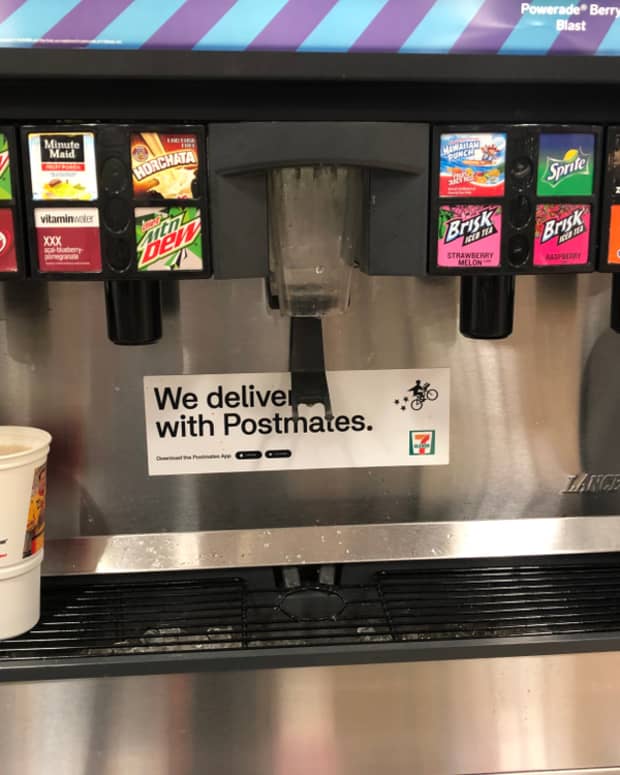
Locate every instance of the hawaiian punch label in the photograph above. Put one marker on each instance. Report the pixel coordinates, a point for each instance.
(5, 169)
(169, 239)
(8, 254)
(62, 165)
(164, 165)
(562, 235)
(469, 236)
(472, 164)
(566, 165)
(68, 240)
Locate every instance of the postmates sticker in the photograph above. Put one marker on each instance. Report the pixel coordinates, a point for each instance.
(469, 236)
(169, 239)
(562, 235)
(472, 164)
(566, 164)
(68, 239)
(8, 254)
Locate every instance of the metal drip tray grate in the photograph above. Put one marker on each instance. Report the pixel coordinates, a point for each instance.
(95, 620)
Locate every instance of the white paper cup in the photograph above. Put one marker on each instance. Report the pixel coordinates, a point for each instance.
(23, 460)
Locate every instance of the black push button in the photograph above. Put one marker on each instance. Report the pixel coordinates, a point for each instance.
(518, 250)
(114, 176)
(118, 255)
(522, 170)
(520, 211)
(111, 136)
(116, 215)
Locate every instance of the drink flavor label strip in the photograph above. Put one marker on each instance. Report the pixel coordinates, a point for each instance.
(68, 239)
(472, 164)
(62, 165)
(566, 164)
(169, 239)
(613, 255)
(562, 235)
(164, 165)
(469, 236)
(8, 253)
(6, 191)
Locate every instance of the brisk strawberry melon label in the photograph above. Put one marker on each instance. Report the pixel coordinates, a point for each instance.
(169, 239)
(469, 236)
(562, 235)
(8, 254)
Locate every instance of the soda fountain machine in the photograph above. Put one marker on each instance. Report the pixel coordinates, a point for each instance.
(314, 302)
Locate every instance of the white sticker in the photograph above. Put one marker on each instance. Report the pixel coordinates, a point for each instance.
(62, 165)
(218, 423)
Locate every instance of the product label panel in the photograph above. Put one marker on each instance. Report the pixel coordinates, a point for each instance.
(469, 236)
(164, 165)
(562, 235)
(169, 239)
(8, 253)
(472, 164)
(566, 164)
(6, 191)
(216, 423)
(62, 165)
(68, 239)
(613, 256)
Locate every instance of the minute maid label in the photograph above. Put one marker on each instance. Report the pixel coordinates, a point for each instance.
(169, 239)
(566, 164)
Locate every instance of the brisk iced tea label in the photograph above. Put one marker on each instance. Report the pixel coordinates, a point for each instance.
(562, 235)
(613, 255)
(8, 254)
(68, 239)
(6, 191)
(169, 239)
(472, 164)
(469, 236)
(566, 165)
(62, 165)
(164, 165)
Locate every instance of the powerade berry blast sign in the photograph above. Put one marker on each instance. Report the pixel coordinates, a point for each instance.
(116, 201)
(515, 199)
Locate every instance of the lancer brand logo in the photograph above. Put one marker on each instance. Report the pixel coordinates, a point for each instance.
(591, 484)
(471, 229)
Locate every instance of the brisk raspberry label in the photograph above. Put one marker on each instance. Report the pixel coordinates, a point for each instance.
(469, 236)
(562, 235)
(169, 239)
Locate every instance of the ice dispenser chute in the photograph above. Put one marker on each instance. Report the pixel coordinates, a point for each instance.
(510, 200)
(125, 204)
(303, 204)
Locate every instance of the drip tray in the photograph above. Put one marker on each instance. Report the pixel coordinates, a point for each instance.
(173, 622)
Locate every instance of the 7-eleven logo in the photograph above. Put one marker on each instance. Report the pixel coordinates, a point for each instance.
(421, 442)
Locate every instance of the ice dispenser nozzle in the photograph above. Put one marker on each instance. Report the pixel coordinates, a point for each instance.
(302, 204)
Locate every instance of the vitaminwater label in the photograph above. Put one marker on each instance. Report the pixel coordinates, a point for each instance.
(8, 254)
(164, 166)
(562, 235)
(35, 528)
(472, 164)
(62, 165)
(6, 191)
(169, 239)
(68, 240)
(469, 236)
(613, 255)
(566, 165)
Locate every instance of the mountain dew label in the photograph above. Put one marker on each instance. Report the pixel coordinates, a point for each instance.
(566, 164)
(169, 239)
(5, 170)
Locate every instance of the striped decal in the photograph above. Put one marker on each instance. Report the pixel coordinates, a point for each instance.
(391, 26)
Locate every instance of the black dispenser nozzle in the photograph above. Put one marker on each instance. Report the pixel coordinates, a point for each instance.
(308, 380)
(133, 309)
(487, 306)
(615, 303)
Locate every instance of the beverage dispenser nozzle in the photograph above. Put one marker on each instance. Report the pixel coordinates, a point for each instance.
(487, 306)
(133, 309)
(615, 303)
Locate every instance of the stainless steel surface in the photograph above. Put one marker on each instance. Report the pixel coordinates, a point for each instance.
(333, 544)
(432, 718)
(527, 412)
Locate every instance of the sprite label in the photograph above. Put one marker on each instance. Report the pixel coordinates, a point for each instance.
(566, 164)
(5, 169)
(169, 239)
